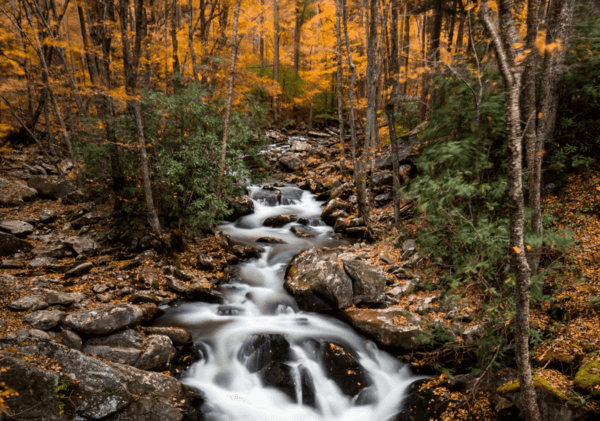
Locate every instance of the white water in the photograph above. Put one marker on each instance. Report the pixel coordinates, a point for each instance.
(258, 305)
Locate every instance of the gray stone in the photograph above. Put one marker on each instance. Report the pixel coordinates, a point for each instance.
(41, 262)
(241, 205)
(144, 297)
(127, 356)
(329, 214)
(47, 215)
(104, 320)
(300, 146)
(178, 335)
(381, 179)
(277, 221)
(38, 334)
(158, 355)
(290, 162)
(89, 218)
(381, 324)
(50, 186)
(72, 340)
(81, 245)
(16, 228)
(12, 264)
(382, 199)
(14, 193)
(60, 298)
(79, 270)
(57, 251)
(9, 244)
(368, 281)
(100, 289)
(45, 319)
(31, 302)
(127, 338)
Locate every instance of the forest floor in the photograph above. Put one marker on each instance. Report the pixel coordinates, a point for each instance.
(566, 323)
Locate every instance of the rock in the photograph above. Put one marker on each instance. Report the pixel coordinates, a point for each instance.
(382, 199)
(246, 252)
(45, 319)
(291, 196)
(12, 264)
(381, 179)
(100, 289)
(105, 298)
(340, 224)
(399, 290)
(50, 186)
(302, 231)
(178, 335)
(9, 244)
(341, 366)
(329, 214)
(357, 232)
(47, 215)
(56, 251)
(16, 228)
(79, 270)
(368, 281)
(42, 262)
(148, 276)
(150, 311)
(277, 221)
(205, 262)
(72, 340)
(31, 302)
(104, 320)
(408, 249)
(232, 259)
(158, 355)
(89, 218)
(60, 298)
(119, 355)
(195, 290)
(380, 324)
(299, 146)
(268, 196)
(270, 240)
(290, 162)
(14, 193)
(385, 160)
(38, 334)
(81, 245)
(144, 297)
(318, 282)
(240, 206)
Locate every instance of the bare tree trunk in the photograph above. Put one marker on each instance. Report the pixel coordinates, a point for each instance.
(275, 57)
(391, 107)
(48, 127)
(451, 25)
(131, 64)
(340, 93)
(262, 42)
(191, 41)
(175, 46)
(503, 42)
(461, 28)
(89, 55)
(229, 99)
(406, 46)
(371, 123)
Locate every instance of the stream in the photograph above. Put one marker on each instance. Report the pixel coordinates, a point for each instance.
(262, 358)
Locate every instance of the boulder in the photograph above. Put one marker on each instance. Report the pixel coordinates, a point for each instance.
(9, 244)
(56, 251)
(117, 354)
(47, 215)
(16, 228)
(72, 340)
(50, 186)
(290, 162)
(79, 270)
(300, 146)
(104, 320)
(390, 327)
(270, 240)
(45, 319)
(246, 252)
(268, 196)
(12, 264)
(60, 298)
(144, 297)
(240, 206)
(291, 196)
(89, 218)
(150, 312)
(277, 221)
(195, 290)
(341, 366)
(302, 231)
(31, 302)
(368, 281)
(381, 179)
(14, 193)
(81, 245)
(42, 262)
(382, 199)
(329, 214)
(318, 282)
(178, 335)
(158, 355)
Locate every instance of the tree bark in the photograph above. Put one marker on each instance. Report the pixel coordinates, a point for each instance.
(391, 107)
(275, 57)
(340, 93)
(191, 41)
(503, 41)
(229, 99)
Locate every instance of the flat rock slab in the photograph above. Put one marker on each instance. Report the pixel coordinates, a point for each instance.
(178, 335)
(144, 297)
(31, 302)
(79, 270)
(391, 326)
(128, 356)
(81, 245)
(9, 244)
(104, 320)
(16, 228)
(127, 338)
(45, 319)
(14, 193)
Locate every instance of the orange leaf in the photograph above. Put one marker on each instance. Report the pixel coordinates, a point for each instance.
(528, 247)
(517, 250)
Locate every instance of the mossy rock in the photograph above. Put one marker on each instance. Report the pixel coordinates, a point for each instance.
(588, 376)
(540, 384)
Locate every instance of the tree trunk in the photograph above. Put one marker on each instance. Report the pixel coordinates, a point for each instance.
(371, 123)
(175, 45)
(461, 28)
(89, 55)
(503, 42)
(275, 57)
(406, 46)
(340, 93)
(229, 99)
(391, 107)
(191, 41)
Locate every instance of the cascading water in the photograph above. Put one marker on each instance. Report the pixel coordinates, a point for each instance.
(263, 359)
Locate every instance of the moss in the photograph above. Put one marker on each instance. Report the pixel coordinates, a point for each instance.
(588, 375)
(539, 383)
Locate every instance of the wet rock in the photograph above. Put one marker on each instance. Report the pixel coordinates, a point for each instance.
(56, 251)
(241, 205)
(329, 214)
(17, 228)
(178, 335)
(357, 232)
(277, 221)
(119, 355)
(340, 224)
(9, 244)
(50, 186)
(195, 290)
(291, 196)
(270, 240)
(45, 319)
(31, 302)
(81, 245)
(14, 193)
(144, 297)
(232, 259)
(104, 320)
(72, 340)
(318, 272)
(158, 355)
(342, 366)
(246, 252)
(380, 323)
(302, 231)
(268, 196)
(368, 281)
(290, 162)
(79, 270)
